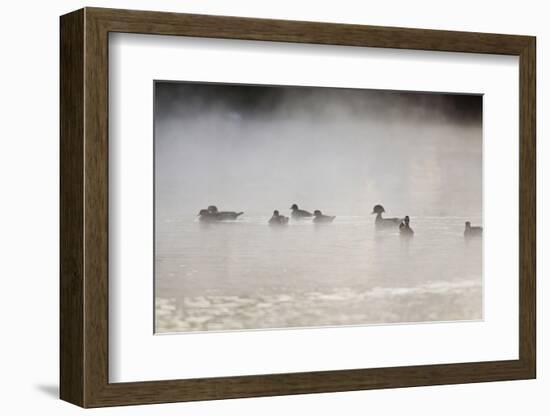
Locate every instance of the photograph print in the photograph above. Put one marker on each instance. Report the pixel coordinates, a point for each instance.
(283, 207)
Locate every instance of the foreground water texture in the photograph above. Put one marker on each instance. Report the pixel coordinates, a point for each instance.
(248, 275)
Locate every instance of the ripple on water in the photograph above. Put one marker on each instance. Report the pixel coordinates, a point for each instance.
(435, 301)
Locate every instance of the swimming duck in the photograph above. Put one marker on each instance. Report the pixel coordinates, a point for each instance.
(299, 213)
(278, 219)
(470, 231)
(384, 222)
(223, 215)
(404, 229)
(319, 217)
(207, 216)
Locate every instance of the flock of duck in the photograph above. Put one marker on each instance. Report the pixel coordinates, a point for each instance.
(212, 214)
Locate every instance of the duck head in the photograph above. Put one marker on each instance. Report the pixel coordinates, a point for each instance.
(468, 224)
(212, 209)
(294, 207)
(317, 213)
(275, 213)
(378, 209)
(203, 212)
(407, 220)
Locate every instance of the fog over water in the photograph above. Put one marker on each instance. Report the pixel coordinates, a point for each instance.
(258, 148)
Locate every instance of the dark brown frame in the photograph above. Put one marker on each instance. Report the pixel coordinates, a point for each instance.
(84, 208)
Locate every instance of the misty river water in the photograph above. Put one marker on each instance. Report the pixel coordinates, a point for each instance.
(249, 275)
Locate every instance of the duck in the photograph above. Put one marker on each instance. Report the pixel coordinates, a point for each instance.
(299, 213)
(470, 231)
(207, 216)
(223, 215)
(404, 228)
(321, 218)
(278, 219)
(384, 222)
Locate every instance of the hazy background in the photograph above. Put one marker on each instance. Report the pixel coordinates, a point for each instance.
(258, 148)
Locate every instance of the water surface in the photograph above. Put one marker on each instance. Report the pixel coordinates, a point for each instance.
(249, 275)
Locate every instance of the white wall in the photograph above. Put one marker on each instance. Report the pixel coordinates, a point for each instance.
(29, 208)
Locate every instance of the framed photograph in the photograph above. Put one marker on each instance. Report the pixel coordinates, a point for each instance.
(256, 207)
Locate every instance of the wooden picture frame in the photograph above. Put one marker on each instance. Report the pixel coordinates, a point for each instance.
(84, 207)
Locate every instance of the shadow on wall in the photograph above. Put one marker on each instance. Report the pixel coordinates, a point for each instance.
(51, 390)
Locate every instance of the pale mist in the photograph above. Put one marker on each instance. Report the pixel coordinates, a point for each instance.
(395, 175)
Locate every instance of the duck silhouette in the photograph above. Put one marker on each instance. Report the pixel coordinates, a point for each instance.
(299, 213)
(404, 228)
(384, 222)
(470, 231)
(213, 213)
(207, 216)
(278, 219)
(319, 217)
